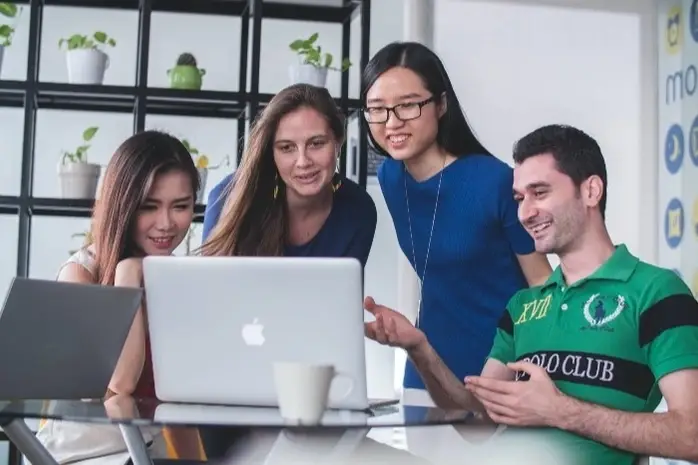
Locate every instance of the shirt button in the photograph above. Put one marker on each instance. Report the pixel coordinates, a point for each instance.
(562, 288)
(563, 306)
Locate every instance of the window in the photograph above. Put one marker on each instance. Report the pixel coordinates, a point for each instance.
(53, 239)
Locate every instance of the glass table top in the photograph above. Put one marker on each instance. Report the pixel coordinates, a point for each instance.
(151, 412)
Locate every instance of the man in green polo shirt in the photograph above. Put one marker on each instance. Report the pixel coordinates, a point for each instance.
(587, 356)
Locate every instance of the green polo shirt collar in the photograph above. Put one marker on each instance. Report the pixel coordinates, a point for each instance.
(619, 267)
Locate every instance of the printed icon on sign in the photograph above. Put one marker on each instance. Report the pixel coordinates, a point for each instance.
(674, 223)
(674, 148)
(693, 141)
(673, 30)
(693, 20)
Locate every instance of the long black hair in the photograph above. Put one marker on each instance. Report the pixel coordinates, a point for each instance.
(454, 133)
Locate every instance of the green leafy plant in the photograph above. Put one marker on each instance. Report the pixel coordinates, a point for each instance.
(311, 54)
(79, 41)
(201, 160)
(80, 153)
(8, 10)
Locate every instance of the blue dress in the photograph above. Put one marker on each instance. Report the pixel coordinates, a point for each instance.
(472, 270)
(348, 231)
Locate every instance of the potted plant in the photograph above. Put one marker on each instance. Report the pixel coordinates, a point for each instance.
(78, 177)
(312, 63)
(202, 165)
(85, 58)
(186, 74)
(8, 10)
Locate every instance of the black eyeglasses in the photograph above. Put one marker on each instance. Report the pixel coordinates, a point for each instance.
(402, 111)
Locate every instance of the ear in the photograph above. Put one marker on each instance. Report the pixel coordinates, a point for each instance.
(443, 105)
(592, 191)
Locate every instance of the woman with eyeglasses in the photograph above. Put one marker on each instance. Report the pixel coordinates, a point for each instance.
(452, 206)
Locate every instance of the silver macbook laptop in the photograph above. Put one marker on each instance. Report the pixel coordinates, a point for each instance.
(217, 325)
(62, 340)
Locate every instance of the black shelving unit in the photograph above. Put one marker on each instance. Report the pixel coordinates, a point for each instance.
(141, 100)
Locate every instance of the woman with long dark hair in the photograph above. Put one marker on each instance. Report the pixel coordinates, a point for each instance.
(286, 198)
(452, 206)
(145, 207)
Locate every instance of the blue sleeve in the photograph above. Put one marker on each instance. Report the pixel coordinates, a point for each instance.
(521, 242)
(214, 206)
(380, 175)
(360, 246)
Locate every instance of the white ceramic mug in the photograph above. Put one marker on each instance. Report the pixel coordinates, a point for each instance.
(303, 390)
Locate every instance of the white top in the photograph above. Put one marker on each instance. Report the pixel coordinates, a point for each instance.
(85, 443)
(85, 258)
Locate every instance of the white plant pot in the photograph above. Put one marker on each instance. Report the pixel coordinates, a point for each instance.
(86, 66)
(203, 176)
(308, 74)
(79, 180)
(2, 52)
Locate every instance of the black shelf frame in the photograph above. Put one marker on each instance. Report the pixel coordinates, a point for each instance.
(141, 100)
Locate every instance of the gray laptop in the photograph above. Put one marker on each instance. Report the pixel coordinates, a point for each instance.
(217, 325)
(62, 340)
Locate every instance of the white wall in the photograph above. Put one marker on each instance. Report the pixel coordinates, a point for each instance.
(587, 63)
(215, 43)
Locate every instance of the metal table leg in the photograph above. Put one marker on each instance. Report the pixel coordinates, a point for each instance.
(21, 436)
(135, 445)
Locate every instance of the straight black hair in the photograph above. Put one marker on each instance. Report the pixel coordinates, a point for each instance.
(576, 154)
(454, 134)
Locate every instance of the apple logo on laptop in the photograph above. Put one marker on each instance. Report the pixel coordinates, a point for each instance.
(253, 333)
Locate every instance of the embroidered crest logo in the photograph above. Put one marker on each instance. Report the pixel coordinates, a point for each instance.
(599, 310)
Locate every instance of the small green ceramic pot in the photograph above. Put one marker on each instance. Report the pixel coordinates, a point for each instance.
(185, 77)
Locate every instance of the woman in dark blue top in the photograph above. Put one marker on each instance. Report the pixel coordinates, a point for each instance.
(452, 206)
(286, 197)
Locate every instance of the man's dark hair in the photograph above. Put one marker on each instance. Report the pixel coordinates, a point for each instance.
(576, 154)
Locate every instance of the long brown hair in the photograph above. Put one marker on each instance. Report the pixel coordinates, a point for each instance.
(127, 181)
(253, 221)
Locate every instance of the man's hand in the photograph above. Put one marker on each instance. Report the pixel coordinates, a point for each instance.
(535, 402)
(391, 328)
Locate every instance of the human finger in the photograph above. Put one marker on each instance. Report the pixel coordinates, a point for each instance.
(497, 409)
(369, 304)
(531, 369)
(491, 384)
(375, 309)
(370, 330)
(380, 330)
(391, 330)
(487, 395)
(500, 418)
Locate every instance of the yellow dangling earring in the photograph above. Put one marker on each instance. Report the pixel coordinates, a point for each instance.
(336, 179)
(336, 183)
(276, 186)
